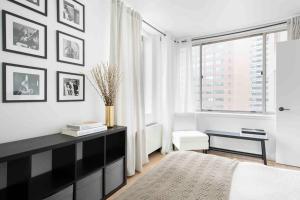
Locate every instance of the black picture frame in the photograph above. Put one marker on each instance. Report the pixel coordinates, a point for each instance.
(4, 85)
(59, 16)
(58, 84)
(58, 49)
(30, 8)
(4, 36)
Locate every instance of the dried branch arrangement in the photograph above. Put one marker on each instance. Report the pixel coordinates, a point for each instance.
(107, 78)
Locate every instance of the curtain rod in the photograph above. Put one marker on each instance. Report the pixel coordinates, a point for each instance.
(154, 28)
(240, 31)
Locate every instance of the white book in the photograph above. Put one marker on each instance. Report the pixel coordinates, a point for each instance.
(85, 126)
(74, 133)
(253, 131)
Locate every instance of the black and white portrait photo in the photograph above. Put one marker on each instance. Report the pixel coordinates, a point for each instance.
(70, 49)
(71, 13)
(24, 83)
(39, 6)
(70, 87)
(24, 36)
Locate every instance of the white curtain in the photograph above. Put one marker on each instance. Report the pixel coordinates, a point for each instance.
(294, 28)
(184, 78)
(126, 27)
(175, 83)
(165, 61)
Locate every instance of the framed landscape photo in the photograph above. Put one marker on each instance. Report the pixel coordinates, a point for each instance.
(23, 83)
(70, 49)
(39, 6)
(71, 13)
(70, 87)
(23, 36)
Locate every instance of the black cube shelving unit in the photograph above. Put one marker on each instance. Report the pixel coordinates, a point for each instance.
(62, 162)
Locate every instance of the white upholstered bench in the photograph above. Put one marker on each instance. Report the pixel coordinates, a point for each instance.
(190, 140)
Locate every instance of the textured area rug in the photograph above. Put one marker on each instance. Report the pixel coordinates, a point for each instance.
(185, 175)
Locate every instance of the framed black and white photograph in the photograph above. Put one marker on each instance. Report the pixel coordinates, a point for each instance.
(24, 36)
(39, 6)
(70, 87)
(71, 13)
(70, 49)
(23, 83)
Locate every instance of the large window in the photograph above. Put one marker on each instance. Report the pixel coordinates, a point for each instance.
(239, 74)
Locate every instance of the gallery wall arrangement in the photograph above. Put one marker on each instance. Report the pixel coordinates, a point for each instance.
(29, 37)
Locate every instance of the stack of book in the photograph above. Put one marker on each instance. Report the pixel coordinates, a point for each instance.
(253, 132)
(77, 130)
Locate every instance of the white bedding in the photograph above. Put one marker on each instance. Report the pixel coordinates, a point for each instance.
(258, 182)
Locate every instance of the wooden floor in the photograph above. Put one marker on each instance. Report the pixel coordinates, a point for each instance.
(156, 157)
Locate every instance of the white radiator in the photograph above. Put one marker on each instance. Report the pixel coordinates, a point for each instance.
(153, 137)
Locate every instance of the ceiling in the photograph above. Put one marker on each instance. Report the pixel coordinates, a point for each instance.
(184, 18)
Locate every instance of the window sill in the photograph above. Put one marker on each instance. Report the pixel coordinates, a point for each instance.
(239, 115)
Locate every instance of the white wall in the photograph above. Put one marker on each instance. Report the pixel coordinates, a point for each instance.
(26, 120)
(234, 122)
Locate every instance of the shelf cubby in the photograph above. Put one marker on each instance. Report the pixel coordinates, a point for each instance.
(63, 161)
(60, 175)
(18, 177)
(91, 186)
(114, 173)
(65, 194)
(18, 171)
(115, 147)
(92, 157)
(41, 163)
(17, 191)
(48, 184)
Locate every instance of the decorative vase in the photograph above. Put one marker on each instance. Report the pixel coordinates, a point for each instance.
(110, 116)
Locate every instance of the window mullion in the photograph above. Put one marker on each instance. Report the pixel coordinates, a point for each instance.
(264, 98)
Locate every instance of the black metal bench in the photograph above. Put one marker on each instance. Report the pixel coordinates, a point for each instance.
(259, 138)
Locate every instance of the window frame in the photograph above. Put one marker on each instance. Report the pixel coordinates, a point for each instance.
(233, 37)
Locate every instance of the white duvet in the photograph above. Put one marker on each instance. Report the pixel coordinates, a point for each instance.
(258, 182)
